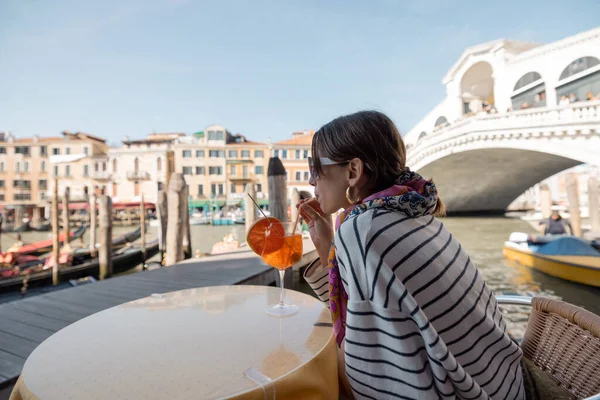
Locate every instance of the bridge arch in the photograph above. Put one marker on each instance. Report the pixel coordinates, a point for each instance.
(486, 175)
(529, 91)
(477, 86)
(488, 180)
(581, 77)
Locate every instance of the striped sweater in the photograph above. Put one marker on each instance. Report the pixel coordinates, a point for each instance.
(421, 321)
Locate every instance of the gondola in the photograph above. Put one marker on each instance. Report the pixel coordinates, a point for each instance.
(16, 229)
(78, 256)
(43, 227)
(127, 238)
(124, 261)
(44, 246)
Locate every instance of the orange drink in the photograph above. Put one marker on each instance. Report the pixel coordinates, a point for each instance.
(286, 256)
(278, 244)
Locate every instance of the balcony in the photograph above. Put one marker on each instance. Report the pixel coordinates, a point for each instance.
(243, 177)
(22, 188)
(103, 176)
(22, 197)
(138, 176)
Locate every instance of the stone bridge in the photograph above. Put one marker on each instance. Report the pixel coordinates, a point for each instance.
(482, 163)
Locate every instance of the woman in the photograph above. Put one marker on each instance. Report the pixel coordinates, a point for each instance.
(412, 315)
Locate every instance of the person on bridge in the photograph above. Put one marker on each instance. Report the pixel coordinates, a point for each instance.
(412, 315)
(556, 225)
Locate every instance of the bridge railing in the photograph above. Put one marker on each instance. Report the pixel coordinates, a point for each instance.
(580, 113)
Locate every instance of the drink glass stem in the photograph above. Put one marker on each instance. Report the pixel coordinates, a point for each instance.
(281, 275)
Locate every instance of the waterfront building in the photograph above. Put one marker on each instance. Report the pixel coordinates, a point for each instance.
(141, 166)
(218, 165)
(28, 167)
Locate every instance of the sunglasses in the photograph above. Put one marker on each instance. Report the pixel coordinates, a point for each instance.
(324, 162)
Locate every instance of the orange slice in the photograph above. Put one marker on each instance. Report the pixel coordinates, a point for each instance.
(265, 236)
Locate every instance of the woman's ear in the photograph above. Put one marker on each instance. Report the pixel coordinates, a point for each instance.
(356, 169)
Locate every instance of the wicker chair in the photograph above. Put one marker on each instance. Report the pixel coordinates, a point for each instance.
(561, 343)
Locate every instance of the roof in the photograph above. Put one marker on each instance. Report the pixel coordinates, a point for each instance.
(512, 46)
(163, 136)
(83, 136)
(39, 140)
(147, 141)
(246, 143)
(566, 42)
(298, 140)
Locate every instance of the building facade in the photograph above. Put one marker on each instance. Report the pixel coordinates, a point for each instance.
(78, 162)
(29, 167)
(217, 166)
(294, 154)
(141, 167)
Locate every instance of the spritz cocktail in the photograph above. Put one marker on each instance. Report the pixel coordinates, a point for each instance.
(279, 244)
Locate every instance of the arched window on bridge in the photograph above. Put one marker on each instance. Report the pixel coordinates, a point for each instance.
(422, 135)
(477, 88)
(529, 91)
(441, 122)
(580, 78)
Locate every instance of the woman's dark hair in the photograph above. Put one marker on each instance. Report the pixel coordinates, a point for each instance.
(370, 136)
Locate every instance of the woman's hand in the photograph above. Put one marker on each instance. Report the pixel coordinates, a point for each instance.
(320, 229)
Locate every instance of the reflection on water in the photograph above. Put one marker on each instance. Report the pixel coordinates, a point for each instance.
(484, 238)
(7, 239)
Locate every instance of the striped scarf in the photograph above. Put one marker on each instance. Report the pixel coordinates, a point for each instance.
(411, 195)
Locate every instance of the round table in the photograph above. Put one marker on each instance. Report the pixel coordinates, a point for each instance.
(191, 344)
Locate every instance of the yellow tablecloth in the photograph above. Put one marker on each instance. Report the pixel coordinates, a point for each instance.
(191, 344)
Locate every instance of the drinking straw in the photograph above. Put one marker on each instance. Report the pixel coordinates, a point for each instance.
(297, 219)
(259, 209)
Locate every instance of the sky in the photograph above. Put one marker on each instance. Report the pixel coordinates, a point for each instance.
(263, 68)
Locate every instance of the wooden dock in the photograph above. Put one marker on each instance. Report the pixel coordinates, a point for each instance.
(25, 323)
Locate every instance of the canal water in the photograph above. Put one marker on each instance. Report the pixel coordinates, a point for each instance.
(482, 237)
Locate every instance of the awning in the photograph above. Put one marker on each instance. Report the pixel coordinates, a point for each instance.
(243, 161)
(133, 204)
(79, 205)
(84, 205)
(206, 203)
